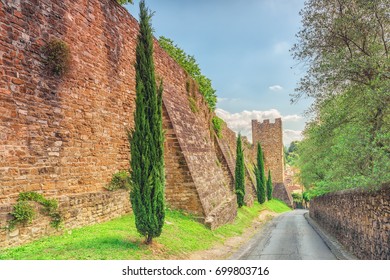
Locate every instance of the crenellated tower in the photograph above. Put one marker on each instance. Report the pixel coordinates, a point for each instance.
(270, 137)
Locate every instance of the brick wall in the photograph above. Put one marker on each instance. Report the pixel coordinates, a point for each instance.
(65, 137)
(180, 190)
(226, 145)
(359, 219)
(78, 209)
(270, 137)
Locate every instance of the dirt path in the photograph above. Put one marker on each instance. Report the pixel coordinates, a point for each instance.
(224, 251)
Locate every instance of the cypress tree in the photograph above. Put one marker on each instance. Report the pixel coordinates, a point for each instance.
(147, 139)
(260, 176)
(239, 173)
(269, 186)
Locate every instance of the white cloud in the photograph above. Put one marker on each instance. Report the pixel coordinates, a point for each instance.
(292, 118)
(276, 88)
(291, 135)
(242, 122)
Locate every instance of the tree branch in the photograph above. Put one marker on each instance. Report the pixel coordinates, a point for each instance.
(382, 33)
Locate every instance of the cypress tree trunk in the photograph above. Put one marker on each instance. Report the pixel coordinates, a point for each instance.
(260, 176)
(147, 139)
(269, 186)
(239, 173)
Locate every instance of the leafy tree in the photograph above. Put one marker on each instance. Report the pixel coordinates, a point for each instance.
(260, 176)
(291, 153)
(269, 186)
(147, 139)
(343, 44)
(293, 146)
(240, 173)
(339, 149)
(345, 47)
(189, 64)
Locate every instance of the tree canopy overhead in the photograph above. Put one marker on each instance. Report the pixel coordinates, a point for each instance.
(344, 47)
(342, 43)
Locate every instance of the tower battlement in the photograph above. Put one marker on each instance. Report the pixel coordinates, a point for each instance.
(270, 137)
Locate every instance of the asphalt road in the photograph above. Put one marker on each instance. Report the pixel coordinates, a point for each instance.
(287, 237)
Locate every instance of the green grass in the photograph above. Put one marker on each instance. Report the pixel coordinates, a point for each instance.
(277, 206)
(118, 239)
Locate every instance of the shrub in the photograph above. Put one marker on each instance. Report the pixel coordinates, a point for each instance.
(57, 57)
(120, 180)
(217, 125)
(24, 212)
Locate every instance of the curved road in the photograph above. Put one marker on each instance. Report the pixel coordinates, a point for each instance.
(287, 237)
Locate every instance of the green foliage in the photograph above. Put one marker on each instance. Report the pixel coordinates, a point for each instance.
(147, 139)
(297, 197)
(114, 240)
(57, 57)
(293, 147)
(240, 174)
(189, 64)
(260, 176)
(217, 125)
(120, 180)
(123, 2)
(291, 153)
(347, 143)
(269, 186)
(194, 108)
(24, 212)
(306, 196)
(343, 44)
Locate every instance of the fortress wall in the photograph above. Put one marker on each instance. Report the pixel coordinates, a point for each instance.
(65, 136)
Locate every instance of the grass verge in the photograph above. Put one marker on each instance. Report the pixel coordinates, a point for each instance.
(118, 239)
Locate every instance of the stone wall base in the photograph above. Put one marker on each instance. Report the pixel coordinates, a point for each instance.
(77, 210)
(358, 219)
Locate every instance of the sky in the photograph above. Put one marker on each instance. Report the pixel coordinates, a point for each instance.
(243, 47)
